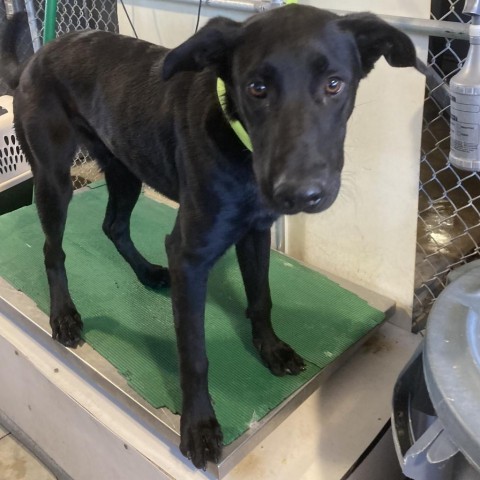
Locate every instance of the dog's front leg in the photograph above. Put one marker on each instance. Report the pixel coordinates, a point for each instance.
(201, 436)
(253, 253)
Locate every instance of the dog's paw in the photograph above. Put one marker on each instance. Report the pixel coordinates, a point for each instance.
(67, 327)
(280, 357)
(201, 439)
(155, 277)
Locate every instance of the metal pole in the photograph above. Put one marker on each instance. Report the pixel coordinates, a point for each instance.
(280, 234)
(433, 28)
(32, 25)
(241, 5)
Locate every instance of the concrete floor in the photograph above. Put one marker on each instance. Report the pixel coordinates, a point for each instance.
(17, 463)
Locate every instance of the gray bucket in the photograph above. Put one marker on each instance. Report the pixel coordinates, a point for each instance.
(436, 403)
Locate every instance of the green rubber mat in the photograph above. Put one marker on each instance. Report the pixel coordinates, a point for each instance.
(132, 326)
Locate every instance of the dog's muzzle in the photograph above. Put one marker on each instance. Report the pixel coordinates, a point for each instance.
(289, 198)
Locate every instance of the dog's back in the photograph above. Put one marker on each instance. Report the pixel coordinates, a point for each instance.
(110, 90)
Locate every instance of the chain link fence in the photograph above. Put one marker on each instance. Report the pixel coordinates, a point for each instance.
(449, 199)
(73, 15)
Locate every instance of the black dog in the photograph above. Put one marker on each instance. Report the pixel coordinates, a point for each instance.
(152, 115)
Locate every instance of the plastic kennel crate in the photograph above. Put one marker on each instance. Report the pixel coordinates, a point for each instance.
(16, 184)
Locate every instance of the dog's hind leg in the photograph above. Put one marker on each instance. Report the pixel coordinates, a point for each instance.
(124, 189)
(253, 254)
(49, 144)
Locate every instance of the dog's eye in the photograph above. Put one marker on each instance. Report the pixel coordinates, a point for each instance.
(334, 86)
(257, 89)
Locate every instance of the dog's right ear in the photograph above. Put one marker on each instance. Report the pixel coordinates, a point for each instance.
(376, 38)
(209, 46)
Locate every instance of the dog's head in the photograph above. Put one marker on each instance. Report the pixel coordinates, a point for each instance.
(291, 76)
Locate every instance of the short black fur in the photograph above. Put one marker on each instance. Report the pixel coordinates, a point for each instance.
(148, 114)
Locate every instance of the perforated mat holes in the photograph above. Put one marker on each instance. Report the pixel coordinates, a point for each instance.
(10, 155)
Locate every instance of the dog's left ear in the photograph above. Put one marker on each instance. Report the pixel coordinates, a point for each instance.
(209, 46)
(375, 38)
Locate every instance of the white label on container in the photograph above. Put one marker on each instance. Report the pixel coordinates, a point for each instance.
(467, 107)
(464, 135)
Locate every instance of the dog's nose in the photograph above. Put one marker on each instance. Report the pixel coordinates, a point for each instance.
(291, 197)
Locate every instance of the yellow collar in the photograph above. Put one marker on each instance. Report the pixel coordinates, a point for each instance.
(237, 127)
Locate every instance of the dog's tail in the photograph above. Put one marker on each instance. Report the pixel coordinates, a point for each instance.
(10, 67)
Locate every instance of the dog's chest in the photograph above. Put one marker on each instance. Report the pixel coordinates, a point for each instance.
(263, 219)
(251, 212)
(251, 208)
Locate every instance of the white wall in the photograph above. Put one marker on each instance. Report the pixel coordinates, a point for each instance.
(167, 23)
(368, 236)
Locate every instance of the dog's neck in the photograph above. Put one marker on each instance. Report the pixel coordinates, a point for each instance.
(236, 125)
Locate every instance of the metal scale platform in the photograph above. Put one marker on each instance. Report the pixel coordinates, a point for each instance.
(81, 383)
(81, 417)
